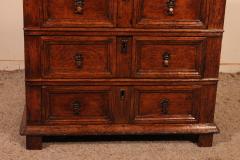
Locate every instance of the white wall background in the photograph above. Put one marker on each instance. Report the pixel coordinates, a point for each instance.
(12, 49)
(230, 58)
(11, 34)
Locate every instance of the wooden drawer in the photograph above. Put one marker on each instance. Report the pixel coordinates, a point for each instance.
(79, 13)
(166, 104)
(77, 104)
(171, 13)
(168, 57)
(78, 57)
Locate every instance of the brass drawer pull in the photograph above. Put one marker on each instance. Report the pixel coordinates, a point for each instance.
(79, 4)
(166, 57)
(76, 106)
(79, 60)
(164, 105)
(171, 5)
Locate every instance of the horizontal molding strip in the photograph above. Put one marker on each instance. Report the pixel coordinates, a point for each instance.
(121, 31)
(10, 65)
(121, 82)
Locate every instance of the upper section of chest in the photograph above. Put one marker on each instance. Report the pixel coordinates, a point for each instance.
(156, 14)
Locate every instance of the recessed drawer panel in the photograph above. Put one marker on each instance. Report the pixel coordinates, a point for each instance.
(171, 13)
(78, 57)
(166, 104)
(168, 57)
(79, 13)
(78, 104)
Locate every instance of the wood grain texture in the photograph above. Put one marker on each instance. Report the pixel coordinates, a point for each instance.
(59, 57)
(33, 142)
(124, 32)
(95, 105)
(124, 59)
(61, 13)
(216, 18)
(33, 104)
(183, 104)
(31, 10)
(121, 129)
(186, 57)
(205, 140)
(213, 54)
(124, 13)
(187, 14)
(121, 67)
(32, 57)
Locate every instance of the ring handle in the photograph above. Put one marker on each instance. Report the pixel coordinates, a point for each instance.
(76, 106)
(164, 105)
(171, 5)
(166, 57)
(79, 60)
(79, 5)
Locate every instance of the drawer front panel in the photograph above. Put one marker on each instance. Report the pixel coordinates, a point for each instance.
(168, 57)
(78, 57)
(79, 13)
(169, 104)
(171, 13)
(85, 104)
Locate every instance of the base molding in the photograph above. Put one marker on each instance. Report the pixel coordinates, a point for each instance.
(120, 129)
(34, 133)
(115, 129)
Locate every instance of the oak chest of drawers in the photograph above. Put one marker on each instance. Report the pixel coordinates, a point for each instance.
(116, 67)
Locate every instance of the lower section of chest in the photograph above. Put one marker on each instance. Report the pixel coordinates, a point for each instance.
(120, 108)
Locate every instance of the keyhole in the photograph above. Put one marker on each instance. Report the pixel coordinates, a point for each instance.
(124, 47)
(122, 94)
